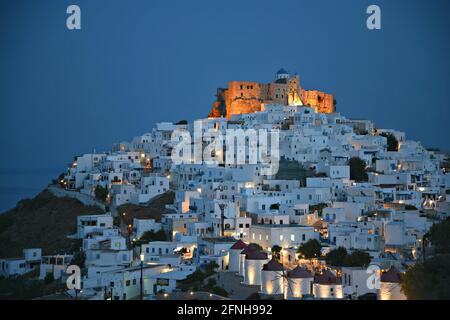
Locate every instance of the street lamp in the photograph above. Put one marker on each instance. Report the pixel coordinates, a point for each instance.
(142, 267)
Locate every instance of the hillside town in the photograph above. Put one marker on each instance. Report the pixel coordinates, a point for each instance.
(330, 208)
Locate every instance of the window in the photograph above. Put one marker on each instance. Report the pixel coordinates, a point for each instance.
(134, 282)
(127, 283)
(292, 237)
(281, 237)
(303, 237)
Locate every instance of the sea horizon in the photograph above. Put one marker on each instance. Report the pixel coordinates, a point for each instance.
(23, 183)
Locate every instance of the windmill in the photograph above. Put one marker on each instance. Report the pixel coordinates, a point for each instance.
(285, 283)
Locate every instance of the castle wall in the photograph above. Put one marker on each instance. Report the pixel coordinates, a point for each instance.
(319, 100)
(242, 97)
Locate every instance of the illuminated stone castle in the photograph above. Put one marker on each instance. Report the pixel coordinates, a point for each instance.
(248, 97)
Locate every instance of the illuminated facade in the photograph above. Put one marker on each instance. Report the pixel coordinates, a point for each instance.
(243, 97)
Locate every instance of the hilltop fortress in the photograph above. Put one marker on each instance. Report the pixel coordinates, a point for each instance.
(247, 97)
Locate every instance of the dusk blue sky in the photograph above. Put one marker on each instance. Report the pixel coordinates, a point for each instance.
(135, 63)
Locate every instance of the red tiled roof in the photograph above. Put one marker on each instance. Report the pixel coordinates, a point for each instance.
(273, 265)
(327, 277)
(299, 272)
(238, 245)
(392, 275)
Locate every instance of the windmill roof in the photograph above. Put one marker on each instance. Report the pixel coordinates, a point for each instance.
(392, 275)
(239, 245)
(256, 255)
(251, 247)
(327, 277)
(273, 265)
(299, 272)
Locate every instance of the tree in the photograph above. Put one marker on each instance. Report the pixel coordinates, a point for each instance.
(211, 283)
(358, 258)
(101, 193)
(317, 207)
(78, 259)
(310, 249)
(428, 280)
(276, 251)
(439, 236)
(219, 291)
(193, 281)
(336, 257)
(320, 175)
(368, 296)
(274, 206)
(340, 258)
(49, 278)
(357, 169)
(361, 132)
(211, 267)
(182, 251)
(62, 180)
(159, 235)
(392, 143)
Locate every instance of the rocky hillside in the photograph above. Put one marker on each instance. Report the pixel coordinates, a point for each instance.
(42, 222)
(154, 210)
